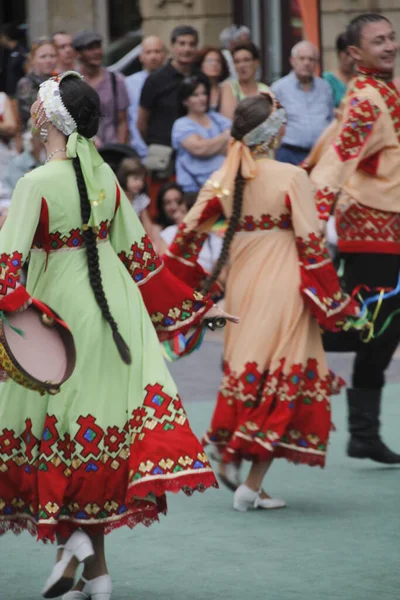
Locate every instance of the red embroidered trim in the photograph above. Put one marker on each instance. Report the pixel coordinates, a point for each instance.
(265, 222)
(72, 239)
(187, 245)
(75, 472)
(324, 200)
(312, 251)
(356, 129)
(12, 294)
(141, 261)
(263, 413)
(358, 224)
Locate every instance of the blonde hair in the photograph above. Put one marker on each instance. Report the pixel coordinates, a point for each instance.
(36, 44)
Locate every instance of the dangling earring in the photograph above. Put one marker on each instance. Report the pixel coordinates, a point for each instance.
(44, 134)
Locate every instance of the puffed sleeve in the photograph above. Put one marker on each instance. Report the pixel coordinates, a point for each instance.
(182, 255)
(358, 136)
(16, 238)
(174, 306)
(320, 285)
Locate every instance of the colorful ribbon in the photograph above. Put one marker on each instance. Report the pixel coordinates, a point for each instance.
(179, 346)
(367, 320)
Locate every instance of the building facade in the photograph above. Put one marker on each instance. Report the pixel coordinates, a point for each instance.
(276, 24)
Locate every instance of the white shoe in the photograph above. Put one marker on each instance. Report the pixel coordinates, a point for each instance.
(246, 498)
(269, 503)
(231, 476)
(78, 545)
(99, 588)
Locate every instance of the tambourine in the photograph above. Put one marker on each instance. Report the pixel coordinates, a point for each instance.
(37, 348)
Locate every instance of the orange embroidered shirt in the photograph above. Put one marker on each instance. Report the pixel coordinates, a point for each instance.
(360, 169)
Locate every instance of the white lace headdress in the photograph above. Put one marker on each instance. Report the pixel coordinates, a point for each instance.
(53, 106)
(269, 129)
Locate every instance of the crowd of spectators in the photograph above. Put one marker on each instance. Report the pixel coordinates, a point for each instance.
(168, 125)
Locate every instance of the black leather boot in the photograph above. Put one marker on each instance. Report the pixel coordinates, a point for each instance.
(365, 442)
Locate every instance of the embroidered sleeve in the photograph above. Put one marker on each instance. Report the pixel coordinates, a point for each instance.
(15, 242)
(181, 257)
(319, 286)
(174, 307)
(356, 139)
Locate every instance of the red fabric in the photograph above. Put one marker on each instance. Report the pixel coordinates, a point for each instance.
(42, 234)
(370, 165)
(281, 413)
(325, 199)
(322, 295)
(100, 479)
(13, 301)
(174, 307)
(364, 229)
(117, 197)
(365, 247)
(320, 285)
(357, 129)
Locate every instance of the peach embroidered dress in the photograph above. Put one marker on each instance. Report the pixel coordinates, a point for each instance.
(275, 391)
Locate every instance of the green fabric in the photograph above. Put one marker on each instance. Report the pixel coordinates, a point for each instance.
(102, 385)
(90, 159)
(338, 87)
(238, 93)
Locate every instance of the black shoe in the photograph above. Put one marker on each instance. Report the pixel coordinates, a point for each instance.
(375, 450)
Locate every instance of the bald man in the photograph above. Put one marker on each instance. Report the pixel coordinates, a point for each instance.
(308, 101)
(152, 57)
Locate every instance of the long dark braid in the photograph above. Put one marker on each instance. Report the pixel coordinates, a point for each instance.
(230, 232)
(83, 104)
(249, 113)
(92, 255)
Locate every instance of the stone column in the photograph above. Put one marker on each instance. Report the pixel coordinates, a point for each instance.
(209, 17)
(47, 16)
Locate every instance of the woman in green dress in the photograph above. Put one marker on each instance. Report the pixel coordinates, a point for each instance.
(103, 452)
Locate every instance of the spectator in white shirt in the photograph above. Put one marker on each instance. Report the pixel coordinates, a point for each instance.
(152, 57)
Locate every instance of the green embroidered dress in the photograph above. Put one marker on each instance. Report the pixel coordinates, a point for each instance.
(104, 451)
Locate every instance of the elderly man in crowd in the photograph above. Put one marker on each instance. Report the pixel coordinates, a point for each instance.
(308, 101)
(152, 57)
(110, 87)
(66, 56)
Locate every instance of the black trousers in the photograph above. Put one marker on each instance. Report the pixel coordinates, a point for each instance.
(372, 358)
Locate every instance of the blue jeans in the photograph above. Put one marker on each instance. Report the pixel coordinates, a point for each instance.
(289, 155)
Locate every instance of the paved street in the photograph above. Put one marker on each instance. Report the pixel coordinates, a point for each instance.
(337, 540)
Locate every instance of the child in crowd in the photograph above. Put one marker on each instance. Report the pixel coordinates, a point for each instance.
(131, 175)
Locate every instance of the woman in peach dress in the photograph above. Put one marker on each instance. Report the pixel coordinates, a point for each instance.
(274, 398)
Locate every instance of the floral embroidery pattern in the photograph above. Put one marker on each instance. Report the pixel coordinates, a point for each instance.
(358, 126)
(142, 261)
(71, 240)
(265, 223)
(325, 198)
(187, 246)
(175, 317)
(10, 265)
(90, 461)
(262, 412)
(312, 251)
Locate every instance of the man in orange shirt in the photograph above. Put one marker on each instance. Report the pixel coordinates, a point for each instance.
(358, 175)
